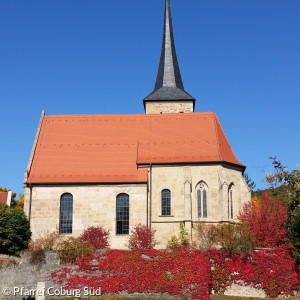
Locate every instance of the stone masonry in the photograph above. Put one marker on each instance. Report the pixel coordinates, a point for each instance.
(169, 107)
(95, 205)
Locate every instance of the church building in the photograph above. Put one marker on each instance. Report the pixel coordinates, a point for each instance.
(166, 166)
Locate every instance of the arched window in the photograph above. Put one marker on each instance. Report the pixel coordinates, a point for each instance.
(230, 202)
(66, 213)
(165, 203)
(202, 200)
(122, 214)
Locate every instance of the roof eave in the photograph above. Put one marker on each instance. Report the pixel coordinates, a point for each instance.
(146, 164)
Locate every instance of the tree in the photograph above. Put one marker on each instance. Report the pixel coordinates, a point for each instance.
(266, 220)
(286, 184)
(14, 230)
(249, 181)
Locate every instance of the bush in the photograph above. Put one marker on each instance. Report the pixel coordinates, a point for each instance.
(234, 238)
(205, 236)
(182, 241)
(7, 261)
(142, 237)
(36, 248)
(72, 248)
(96, 236)
(14, 230)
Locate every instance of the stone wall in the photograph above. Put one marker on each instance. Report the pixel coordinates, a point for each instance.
(24, 274)
(183, 182)
(169, 107)
(95, 205)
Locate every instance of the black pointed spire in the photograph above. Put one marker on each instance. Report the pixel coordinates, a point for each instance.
(169, 85)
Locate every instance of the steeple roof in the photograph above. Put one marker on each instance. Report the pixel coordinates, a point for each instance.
(169, 85)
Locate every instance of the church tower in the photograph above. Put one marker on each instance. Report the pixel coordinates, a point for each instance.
(169, 95)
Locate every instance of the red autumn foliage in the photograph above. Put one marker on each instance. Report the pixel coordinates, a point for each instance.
(274, 271)
(179, 272)
(142, 237)
(191, 274)
(96, 236)
(266, 220)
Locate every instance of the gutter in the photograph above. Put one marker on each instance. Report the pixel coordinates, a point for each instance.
(150, 196)
(30, 200)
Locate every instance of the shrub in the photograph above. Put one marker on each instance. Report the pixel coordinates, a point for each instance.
(234, 238)
(266, 220)
(142, 237)
(7, 261)
(182, 241)
(173, 243)
(14, 230)
(205, 236)
(36, 248)
(96, 236)
(72, 248)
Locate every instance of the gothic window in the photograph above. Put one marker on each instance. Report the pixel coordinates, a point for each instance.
(202, 201)
(66, 213)
(122, 214)
(165, 203)
(230, 203)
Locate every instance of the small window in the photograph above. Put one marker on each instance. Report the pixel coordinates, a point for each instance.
(166, 203)
(66, 214)
(122, 214)
(202, 201)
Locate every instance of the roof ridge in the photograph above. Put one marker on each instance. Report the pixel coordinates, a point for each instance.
(130, 115)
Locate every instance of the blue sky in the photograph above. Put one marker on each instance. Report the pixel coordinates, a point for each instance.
(239, 58)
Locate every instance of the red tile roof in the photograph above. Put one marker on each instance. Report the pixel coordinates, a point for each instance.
(109, 148)
(3, 197)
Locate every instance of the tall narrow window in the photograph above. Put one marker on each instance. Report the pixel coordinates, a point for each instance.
(122, 214)
(199, 204)
(66, 213)
(202, 201)
(230, 204)
(165, 203)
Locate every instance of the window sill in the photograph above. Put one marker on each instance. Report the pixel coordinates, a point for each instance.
(166, 216)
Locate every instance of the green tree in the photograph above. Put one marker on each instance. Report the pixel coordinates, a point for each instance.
(14, 230)
(249, 181)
